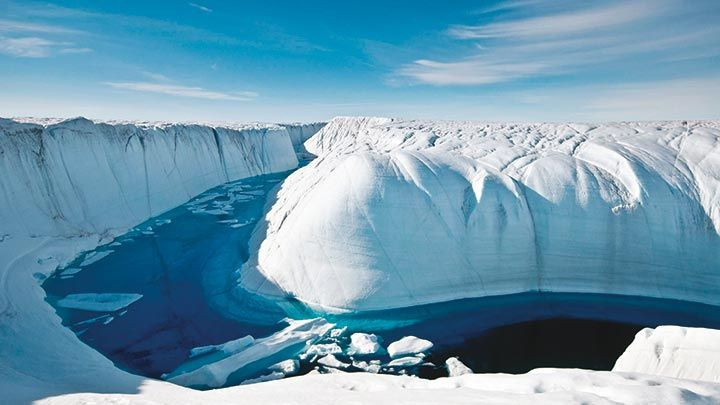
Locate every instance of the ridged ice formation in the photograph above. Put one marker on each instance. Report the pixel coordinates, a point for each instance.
(401, 213)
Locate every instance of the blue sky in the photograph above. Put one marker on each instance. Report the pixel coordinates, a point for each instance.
(213, 60)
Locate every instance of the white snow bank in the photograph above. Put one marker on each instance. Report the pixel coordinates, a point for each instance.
(98, 302)
(674, 351)
(401, 213)
(408, 345)
(539, 387)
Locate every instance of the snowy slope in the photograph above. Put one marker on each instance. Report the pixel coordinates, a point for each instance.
(399, 213)
(540, 386)
(674, 351)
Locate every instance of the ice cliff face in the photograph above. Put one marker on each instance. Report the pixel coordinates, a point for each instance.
(400, 213)
(80, 177)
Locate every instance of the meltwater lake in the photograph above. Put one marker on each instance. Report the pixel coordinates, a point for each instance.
(153, 294)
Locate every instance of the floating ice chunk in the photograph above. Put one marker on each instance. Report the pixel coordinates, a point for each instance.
(253, 359)
(94, 257)
(331, 361)
(70, 271)
(336, 333)
(92, 320)
(116, 244)
(98, 302)
(323, 349)
(408, 345)
(363, 344)
(244, 223)
(405, 362)
(230, 347)
(372, 367)
(254, 192)
(287, 367)
(108, 320)
(275, 375)
(455, 367)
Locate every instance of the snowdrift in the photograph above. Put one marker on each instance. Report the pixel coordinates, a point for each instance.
(673, 351)
(402, 213)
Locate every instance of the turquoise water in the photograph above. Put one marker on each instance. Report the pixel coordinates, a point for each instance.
(185, 262)
(182, 263)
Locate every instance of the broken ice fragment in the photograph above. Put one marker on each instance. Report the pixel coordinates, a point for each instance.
(408, 345)
(455, 367)
(98, 302)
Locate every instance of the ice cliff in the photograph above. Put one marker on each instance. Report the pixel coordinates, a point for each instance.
(80, 177)
(398, 213)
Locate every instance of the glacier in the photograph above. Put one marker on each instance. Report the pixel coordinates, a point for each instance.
(397, 213)
(79, 177)
(68, 186)
(501, 194)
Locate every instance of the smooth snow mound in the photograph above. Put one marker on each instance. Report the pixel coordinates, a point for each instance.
(399, 213)
(408, 345)
(674, 351)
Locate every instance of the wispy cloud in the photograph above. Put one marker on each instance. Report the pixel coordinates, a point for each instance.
(26, 47)
(156, 76)
(71, 51)
(554, 42)
(24, 26)
(34, 47)
(200, 7)
(588, 20)
(21, 39)
(183, 91)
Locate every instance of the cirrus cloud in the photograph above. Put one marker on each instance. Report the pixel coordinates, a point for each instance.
(183, 91)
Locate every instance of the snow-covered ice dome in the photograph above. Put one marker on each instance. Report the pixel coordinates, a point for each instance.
(398, 213)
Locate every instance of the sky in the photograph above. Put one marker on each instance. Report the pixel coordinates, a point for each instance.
(282, 61)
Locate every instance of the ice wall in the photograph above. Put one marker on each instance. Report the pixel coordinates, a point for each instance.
(400, 213)
(299, 133)
(674, 351)
(80, 177)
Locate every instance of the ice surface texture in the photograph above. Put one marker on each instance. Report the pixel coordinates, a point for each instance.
(401, 213)
(81, 177)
